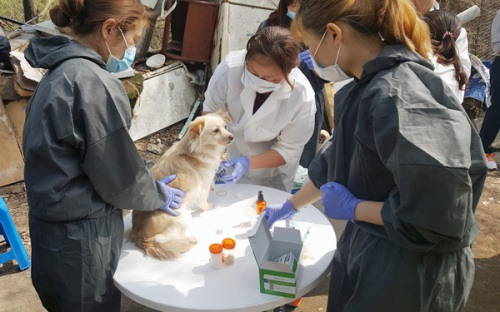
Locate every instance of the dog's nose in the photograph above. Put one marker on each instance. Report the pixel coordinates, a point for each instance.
(230, 138)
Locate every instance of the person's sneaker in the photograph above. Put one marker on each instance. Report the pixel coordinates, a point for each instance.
(295, 303)
(490, 161)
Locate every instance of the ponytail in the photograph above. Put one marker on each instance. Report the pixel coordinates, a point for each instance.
(395, 21)
(84, 17)
(445, 27)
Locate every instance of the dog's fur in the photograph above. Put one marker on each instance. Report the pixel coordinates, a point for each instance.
(195, 160)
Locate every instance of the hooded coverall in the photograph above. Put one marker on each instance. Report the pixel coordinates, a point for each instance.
(402, 138)
(81, 169)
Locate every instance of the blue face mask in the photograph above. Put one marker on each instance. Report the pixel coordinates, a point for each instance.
(290, 14)
(114, 65)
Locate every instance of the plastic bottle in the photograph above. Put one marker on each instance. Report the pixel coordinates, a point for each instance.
(216, 259)
(228, 245)
(260, 204)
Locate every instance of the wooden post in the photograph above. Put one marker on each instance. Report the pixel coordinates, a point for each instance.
(166, 30)
(147, 34)
(29, 9)
(329, 92)
(11, 162)
(469, 14)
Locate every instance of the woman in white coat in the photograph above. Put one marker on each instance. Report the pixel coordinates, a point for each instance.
(271, 105)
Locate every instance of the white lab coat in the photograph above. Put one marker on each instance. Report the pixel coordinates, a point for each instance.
(462, 44)
(285, 121)
(448, 75)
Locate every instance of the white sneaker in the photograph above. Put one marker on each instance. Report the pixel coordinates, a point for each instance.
(490, 161)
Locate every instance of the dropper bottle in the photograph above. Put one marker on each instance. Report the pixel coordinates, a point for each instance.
(260, 204)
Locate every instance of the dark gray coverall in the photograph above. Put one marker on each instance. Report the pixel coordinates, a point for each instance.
(81, 169)
(402, 138)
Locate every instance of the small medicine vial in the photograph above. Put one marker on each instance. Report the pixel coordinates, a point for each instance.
(228, 245)
(260, 204)
(216, 256)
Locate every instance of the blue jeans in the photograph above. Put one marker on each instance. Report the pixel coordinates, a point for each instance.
(491, 123)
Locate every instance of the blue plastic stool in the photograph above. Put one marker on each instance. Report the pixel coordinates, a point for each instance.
(8, 229)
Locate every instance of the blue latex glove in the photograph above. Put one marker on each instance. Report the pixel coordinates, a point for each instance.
(305, 57)
(220, 173)
(338, 202)
(173, 196)
(240, 165)
(274, 213)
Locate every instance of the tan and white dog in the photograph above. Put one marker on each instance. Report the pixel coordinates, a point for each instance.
(195, 160)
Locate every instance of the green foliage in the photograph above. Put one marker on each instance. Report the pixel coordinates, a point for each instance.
(13, 9)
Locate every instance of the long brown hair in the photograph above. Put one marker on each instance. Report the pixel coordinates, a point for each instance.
(279, 16)
(396, 21)
(85, 17)
(445, 27)
(277, 44)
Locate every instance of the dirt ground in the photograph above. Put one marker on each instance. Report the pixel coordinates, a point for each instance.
(18, 295)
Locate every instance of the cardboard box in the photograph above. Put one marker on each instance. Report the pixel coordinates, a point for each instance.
(276, 278)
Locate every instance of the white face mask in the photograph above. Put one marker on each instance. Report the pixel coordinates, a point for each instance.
(333, 72)
(259, 85)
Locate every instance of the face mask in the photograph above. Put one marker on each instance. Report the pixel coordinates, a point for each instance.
(259, 85)
(115, 65)
(331, 73)
(290, 14)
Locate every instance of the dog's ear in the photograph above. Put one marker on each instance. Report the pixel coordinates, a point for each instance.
(196, 127)
(224, 116)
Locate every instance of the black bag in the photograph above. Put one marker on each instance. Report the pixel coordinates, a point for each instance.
(4, 51)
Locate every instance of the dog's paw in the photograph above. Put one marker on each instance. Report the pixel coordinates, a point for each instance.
(206, 206)
(192, 240)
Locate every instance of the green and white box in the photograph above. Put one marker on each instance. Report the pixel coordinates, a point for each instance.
(276, 277)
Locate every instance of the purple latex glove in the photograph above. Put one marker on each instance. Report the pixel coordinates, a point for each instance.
(305, 57)
(240, 165)
(338, 202)
(274, 213)
(173, 196)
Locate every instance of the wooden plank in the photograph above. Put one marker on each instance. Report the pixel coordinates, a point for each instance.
(329, 92)
(16, 111)
(165, 99)
(7, 90)
(11, 160)
(22, 92)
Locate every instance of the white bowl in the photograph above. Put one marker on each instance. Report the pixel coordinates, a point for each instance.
(156, 61)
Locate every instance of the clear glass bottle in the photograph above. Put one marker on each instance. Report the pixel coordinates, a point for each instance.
(216, 255)
(228, 244)
(260, 204)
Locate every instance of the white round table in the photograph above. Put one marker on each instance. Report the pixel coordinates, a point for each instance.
(189, 283)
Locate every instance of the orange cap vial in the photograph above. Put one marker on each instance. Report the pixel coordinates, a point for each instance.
(215, 248)
(228, 244)
(216, 256)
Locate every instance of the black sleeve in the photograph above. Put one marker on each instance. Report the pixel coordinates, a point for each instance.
(111, 160)
(119, 175)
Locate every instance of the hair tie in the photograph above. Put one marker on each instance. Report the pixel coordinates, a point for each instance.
(446, 34)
